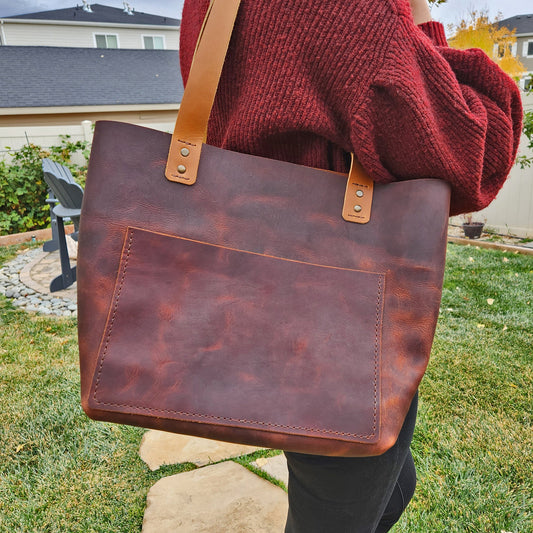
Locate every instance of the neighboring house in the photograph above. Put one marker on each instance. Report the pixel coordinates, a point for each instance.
(523, 24)
(61, 67)
(94, 26)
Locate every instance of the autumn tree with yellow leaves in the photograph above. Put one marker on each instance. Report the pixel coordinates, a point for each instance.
(497, 41)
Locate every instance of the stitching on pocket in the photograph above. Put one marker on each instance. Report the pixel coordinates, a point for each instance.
(114, 314)
(104, 352)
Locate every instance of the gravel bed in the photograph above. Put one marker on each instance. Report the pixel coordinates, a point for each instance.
(28, 299)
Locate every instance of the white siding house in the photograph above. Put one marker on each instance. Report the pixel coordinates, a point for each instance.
(101, 27)
(85, 34)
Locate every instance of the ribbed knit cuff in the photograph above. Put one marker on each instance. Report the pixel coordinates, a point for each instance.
(435, 31)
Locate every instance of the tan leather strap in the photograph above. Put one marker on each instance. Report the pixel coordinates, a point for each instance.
(190, 132)
(191, 125)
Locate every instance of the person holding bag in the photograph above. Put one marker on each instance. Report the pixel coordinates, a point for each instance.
(310, 82)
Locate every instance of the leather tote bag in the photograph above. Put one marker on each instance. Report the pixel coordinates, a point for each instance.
(249, 300)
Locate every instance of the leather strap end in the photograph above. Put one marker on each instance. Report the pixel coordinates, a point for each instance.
(183, 161)
(358, 197)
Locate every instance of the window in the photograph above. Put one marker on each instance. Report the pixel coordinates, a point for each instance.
(527, 49)
(502, 50)
(154, 42)
(106, 40)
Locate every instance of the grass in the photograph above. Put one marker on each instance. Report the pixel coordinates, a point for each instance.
(61, 472)
(473, 443)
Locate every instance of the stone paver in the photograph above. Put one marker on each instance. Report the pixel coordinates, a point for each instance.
(220, 498)
(274, 466)
(161, 448)
(42, 270)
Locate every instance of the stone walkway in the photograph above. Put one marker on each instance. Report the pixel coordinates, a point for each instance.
(215, 497)
(225, 497)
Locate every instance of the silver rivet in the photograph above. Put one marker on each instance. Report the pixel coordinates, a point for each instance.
(185, 152)
(357, 208)
(359, 193)
(181, 169)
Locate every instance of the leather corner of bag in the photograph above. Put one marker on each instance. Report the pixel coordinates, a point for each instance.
(183, 161)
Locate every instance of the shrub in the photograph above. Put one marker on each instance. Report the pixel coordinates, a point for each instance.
(23, 191)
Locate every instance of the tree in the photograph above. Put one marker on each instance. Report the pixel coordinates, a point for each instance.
(497, 41)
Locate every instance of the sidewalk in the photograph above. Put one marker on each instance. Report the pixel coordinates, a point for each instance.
(508, 243)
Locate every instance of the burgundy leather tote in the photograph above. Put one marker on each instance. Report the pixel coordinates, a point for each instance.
(250, 300)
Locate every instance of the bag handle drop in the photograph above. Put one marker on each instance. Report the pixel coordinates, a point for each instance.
(190, 132)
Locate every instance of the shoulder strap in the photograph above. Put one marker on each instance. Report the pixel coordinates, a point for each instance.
(191, 125)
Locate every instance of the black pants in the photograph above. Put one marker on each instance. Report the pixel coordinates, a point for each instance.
(352, 495)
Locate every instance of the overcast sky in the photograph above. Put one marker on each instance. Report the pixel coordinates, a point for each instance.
(451, 12)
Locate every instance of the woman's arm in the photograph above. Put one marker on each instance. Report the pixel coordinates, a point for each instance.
(420, 11)
(442, 113)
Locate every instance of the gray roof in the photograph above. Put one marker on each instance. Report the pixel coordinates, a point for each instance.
(522, 23)
(42, 76)
(100, 13)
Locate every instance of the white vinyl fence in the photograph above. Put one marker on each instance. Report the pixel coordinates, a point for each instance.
(46, 136)
(512, 210)
(14, 138)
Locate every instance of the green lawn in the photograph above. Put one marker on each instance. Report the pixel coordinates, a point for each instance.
(473, 444)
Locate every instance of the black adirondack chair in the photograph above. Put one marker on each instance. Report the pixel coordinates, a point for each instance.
(69, 195)
(63, 172)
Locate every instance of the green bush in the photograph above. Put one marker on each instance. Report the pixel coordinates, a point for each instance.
(23, 191)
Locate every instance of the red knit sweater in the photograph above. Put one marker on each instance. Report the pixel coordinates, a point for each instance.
(309, 81)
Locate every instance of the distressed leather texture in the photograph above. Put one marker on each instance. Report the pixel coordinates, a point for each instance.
(244, 308)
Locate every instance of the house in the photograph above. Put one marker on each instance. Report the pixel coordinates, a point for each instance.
(86, 63)
(91, 26)
(523, 25)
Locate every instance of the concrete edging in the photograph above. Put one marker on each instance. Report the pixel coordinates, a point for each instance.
(39, 234)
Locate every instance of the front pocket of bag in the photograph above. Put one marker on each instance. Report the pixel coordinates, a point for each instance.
(205, 333)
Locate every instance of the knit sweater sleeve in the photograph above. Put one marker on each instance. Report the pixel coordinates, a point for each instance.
(442, 113)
